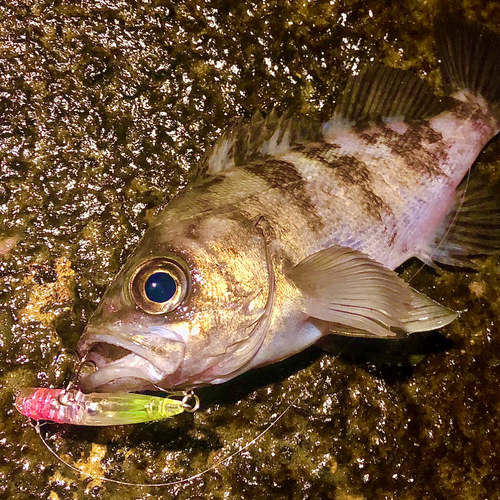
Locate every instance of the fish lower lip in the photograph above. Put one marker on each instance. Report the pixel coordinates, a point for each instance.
(125, 365)
(126, 373)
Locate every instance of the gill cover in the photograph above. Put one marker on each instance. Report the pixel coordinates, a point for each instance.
(241, 353)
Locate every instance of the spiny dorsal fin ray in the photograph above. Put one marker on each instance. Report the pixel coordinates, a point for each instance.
(471, 227)
(245, 141)
(469, 57)
(381, 92)
(360, 297)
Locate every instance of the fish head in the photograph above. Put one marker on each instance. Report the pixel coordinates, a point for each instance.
(190, 307)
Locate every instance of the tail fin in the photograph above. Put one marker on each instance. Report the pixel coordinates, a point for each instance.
(470, 58)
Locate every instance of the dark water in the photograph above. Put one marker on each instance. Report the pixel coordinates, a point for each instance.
(104, 109)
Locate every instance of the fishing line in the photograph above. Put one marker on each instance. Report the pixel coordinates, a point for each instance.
(223, 460)
(38, 427)
(178, 481)
(246, 446)
(227, 458)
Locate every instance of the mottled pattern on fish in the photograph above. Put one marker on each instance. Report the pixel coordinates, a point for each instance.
(373, 188)
(291, 232)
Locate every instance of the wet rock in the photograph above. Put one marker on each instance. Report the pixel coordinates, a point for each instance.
(106, 107)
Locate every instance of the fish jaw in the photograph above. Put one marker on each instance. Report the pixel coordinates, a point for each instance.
(129, 360)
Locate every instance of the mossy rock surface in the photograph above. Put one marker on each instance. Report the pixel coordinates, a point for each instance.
(105, 109)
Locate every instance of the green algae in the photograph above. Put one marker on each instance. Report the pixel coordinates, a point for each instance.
(105, 108)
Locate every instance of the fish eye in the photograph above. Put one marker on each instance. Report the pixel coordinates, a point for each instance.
(159, 285)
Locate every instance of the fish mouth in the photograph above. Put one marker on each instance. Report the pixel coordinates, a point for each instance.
(122, 364)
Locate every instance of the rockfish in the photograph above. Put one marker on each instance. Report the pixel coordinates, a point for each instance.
(291, 231)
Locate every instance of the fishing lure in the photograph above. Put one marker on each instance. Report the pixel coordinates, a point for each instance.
(64, 406)
(70, 406)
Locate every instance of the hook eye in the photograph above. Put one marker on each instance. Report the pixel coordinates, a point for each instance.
(190, 401)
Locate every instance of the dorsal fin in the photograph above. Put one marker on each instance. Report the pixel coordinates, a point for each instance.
(243, 142)
(381, 92)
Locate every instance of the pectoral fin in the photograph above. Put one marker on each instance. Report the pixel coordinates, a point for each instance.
(359, 296)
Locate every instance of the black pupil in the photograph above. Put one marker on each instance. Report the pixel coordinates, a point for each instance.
(160, 287)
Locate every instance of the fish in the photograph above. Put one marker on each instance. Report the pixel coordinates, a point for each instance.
(291, 232)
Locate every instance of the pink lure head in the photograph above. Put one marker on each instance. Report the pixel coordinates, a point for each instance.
(40, 404)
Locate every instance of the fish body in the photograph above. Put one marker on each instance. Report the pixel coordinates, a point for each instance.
(291, 232)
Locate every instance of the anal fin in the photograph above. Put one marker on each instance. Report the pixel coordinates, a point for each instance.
(471, 228)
